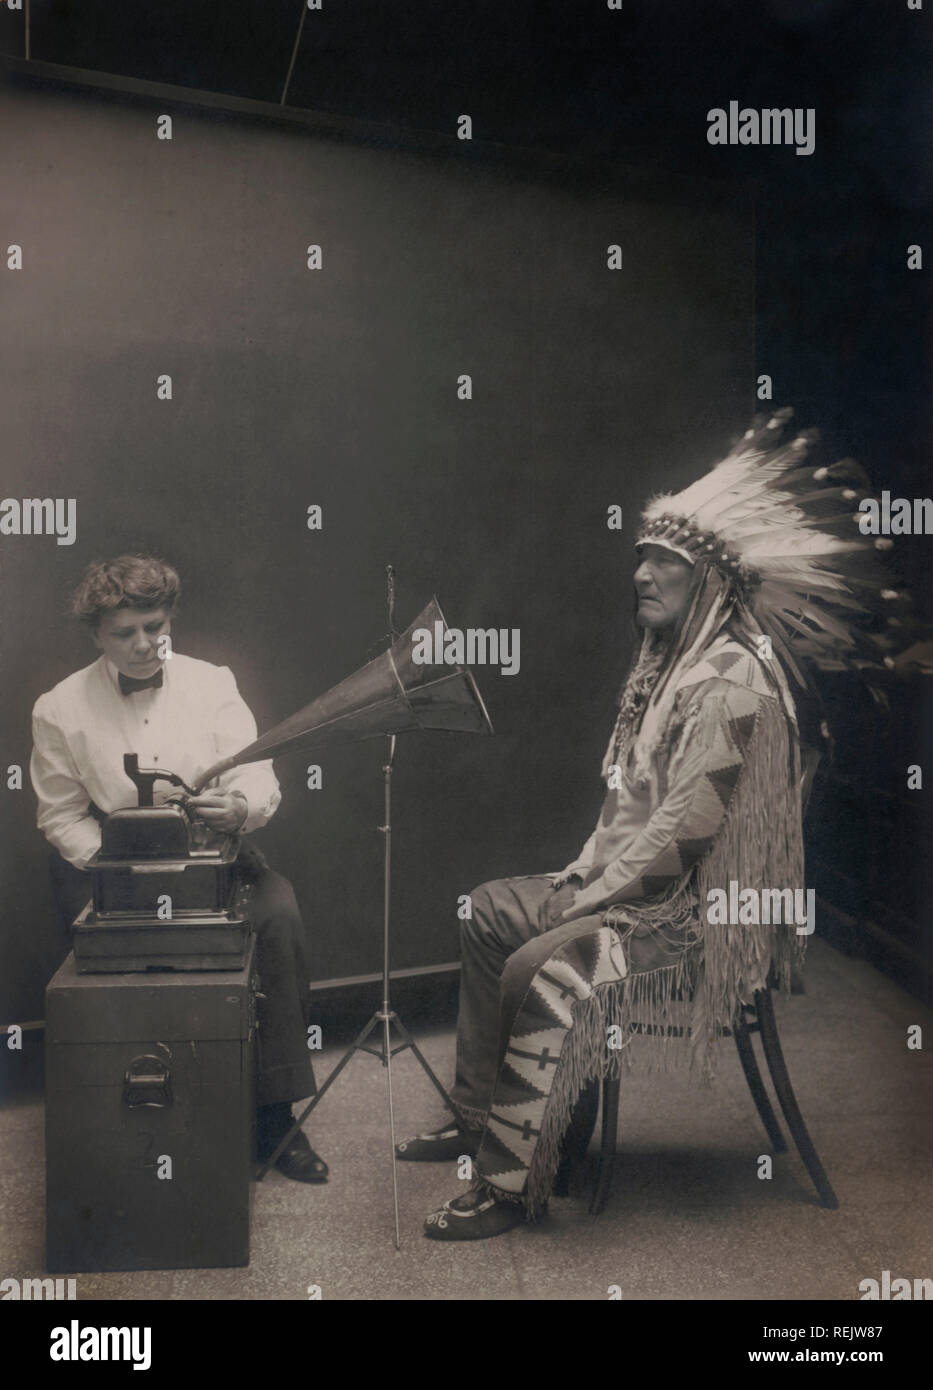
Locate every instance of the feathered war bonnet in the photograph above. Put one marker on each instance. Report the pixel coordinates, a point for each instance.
(786, 535)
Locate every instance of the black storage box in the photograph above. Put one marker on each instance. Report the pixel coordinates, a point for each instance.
(141, 1069)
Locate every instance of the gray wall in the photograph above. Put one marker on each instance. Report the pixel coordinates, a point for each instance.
(338, 387)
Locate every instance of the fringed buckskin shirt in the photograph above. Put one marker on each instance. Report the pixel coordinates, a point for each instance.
(651, 835)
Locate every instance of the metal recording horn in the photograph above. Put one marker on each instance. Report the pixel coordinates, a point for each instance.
(390, 695)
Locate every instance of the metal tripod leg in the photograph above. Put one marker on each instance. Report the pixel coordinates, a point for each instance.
(408, 1041)
(356, 1046)
(387, 1016)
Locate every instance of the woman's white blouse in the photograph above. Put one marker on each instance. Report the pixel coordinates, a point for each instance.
(83, 727)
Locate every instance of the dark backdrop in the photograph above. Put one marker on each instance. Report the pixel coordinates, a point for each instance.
(338, 387)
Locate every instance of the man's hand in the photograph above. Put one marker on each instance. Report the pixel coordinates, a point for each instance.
(221, 810)
(553, 907)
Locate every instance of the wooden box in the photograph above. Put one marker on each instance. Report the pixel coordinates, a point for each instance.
(149, 1119)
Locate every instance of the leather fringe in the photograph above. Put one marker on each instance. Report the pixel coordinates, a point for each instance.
(760, 845)
(646, 1000)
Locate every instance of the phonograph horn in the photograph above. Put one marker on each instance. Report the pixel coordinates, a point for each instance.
(389, 695)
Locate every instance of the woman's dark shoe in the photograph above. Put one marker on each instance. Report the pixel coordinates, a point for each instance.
(441, 1145)
(476, 1215)
(299, 1162)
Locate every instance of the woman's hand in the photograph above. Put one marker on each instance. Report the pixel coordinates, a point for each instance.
(221, 810)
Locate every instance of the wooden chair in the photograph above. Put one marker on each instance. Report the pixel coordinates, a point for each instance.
(755, 1017)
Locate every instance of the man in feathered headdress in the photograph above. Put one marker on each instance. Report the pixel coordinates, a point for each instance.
(742, 579)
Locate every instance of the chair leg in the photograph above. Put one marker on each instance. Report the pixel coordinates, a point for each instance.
(577, 1136)
(749, 1062)
(607, 1146)
(785, 1092)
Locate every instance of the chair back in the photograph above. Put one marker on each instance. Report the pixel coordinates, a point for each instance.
(809, 762)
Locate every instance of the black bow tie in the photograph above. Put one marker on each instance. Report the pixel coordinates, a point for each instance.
(129, 684)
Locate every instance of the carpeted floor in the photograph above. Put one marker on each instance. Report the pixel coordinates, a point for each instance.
(688, 1216)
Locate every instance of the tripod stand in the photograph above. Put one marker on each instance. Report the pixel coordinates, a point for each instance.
(385, 1019)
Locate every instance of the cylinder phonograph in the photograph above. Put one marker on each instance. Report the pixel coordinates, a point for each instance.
(165, 895)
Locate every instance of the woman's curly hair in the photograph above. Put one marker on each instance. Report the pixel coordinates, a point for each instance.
(130, 581)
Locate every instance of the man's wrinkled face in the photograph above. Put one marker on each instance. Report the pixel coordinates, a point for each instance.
(662, 585)
(130, 637)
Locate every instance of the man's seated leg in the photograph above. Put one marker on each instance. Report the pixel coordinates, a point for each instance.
(541, 982)
(504, 915)
(284, 1072)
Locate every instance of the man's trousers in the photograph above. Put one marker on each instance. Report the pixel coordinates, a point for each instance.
(283, 1012)
(517, 1071)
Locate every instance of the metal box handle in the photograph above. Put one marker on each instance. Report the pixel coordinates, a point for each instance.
(147, 1081)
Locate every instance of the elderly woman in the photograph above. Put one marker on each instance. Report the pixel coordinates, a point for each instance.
(181, 714)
